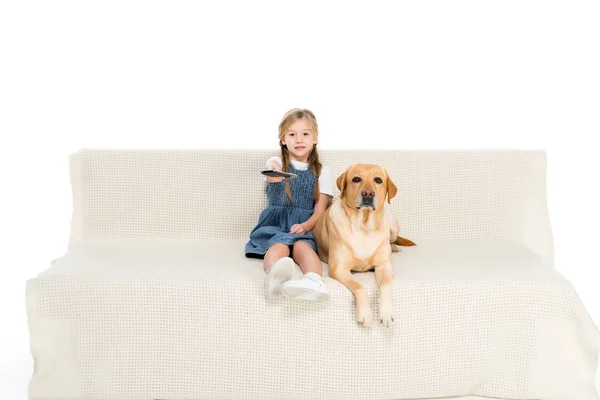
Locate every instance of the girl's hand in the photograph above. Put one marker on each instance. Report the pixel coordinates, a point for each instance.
(298, 229)
(274, 165)
(274, 179)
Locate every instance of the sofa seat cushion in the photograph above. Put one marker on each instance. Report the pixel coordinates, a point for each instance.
(481, 318)
(430, 260)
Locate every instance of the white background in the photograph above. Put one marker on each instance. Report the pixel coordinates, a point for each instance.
(404, 75)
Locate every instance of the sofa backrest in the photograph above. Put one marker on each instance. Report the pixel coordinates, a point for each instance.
(210, 194)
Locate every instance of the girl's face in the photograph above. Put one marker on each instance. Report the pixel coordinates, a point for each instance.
(300, 140)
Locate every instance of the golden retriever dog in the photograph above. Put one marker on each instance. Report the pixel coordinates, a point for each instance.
(357, 233)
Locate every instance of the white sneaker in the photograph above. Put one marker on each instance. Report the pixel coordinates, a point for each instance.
(309, 287)
(281, 271)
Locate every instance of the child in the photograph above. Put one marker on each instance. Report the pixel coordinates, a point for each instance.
(284, 227)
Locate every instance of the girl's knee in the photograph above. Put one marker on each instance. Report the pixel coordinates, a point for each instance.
(301, 248)
(279, 249)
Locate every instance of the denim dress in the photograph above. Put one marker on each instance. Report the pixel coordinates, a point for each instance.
(275, 221)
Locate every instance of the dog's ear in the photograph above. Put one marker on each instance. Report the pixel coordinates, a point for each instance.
(390, 187)
(341, 183)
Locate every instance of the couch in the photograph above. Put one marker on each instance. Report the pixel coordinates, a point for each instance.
(154, 298)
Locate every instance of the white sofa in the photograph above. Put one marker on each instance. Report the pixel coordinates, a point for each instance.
(155, 299)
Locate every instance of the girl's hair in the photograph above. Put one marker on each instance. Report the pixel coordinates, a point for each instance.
(315, 165)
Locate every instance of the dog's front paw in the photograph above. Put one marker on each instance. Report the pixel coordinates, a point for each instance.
(395, 248)
(364, 316)
(386, 315)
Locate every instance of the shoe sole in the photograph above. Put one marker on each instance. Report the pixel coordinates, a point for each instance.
(304, 294)
(283, 271)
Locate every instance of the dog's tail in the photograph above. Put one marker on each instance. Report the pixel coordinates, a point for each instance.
(400, 241)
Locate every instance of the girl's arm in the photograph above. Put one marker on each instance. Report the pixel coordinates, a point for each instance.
(309, 224)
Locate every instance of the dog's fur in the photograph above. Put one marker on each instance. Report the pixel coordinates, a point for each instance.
(357, 233)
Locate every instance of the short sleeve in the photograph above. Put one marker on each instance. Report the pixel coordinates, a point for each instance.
(326, 181)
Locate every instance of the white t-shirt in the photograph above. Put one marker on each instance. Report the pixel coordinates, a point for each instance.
(325, 180)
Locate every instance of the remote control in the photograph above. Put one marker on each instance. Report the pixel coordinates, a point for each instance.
(275, 173)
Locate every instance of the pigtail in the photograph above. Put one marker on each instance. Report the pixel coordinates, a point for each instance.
(285, 161)
(316, 167)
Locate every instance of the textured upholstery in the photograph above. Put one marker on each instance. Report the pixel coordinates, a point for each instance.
(155, 299)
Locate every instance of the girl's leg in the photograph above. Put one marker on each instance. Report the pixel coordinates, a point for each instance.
(274, 253)
(279, 268)
(306, 257)
(311, 286)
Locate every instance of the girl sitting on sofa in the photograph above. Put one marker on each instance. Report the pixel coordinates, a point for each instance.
(294, 206)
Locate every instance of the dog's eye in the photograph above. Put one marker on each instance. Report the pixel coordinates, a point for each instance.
(378, 180)
(356, 179)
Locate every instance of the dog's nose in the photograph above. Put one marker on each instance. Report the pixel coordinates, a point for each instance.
(368, 193)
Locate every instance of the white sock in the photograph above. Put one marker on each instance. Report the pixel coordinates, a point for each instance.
(313, 276)
(271, 268)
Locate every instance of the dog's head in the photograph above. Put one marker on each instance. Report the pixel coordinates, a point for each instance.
(365, 186)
